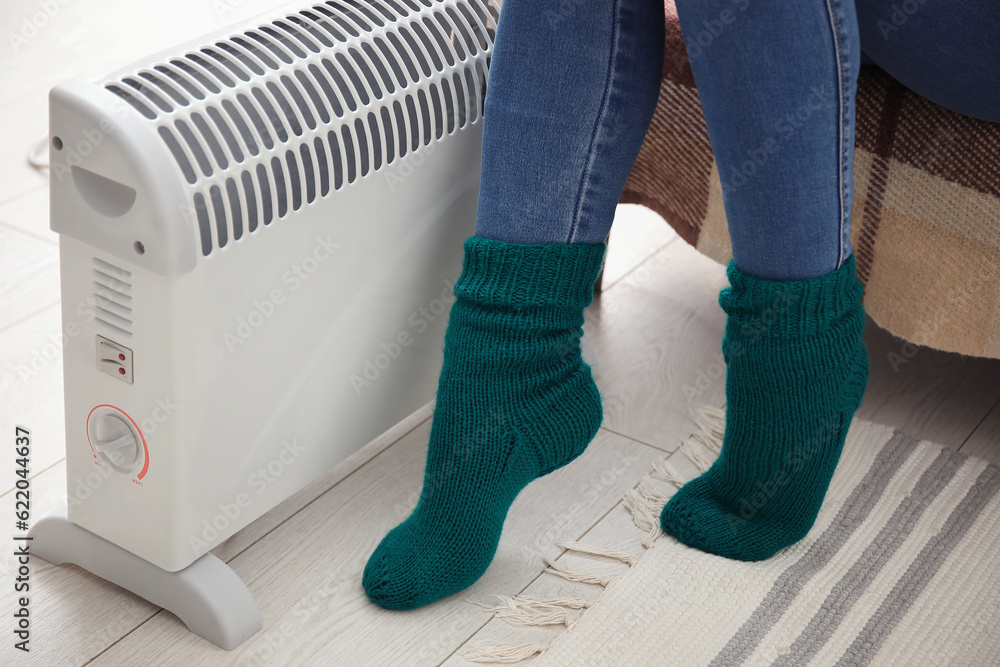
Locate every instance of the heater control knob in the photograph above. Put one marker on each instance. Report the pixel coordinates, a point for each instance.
(115, 441)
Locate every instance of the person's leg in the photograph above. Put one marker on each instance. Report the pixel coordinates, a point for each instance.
(777, 84)
(572, 88)
(948, 52)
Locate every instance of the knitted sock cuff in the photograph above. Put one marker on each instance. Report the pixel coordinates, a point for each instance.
(517, 275)
(795, 307)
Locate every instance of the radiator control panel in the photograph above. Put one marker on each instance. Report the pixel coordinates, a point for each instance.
(114, 359)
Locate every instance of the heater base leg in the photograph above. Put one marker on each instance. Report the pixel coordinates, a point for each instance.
(211, 600)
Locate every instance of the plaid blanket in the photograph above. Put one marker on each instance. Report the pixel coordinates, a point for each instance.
(926, 213)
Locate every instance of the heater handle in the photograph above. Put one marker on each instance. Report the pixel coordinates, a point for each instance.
(210, 599)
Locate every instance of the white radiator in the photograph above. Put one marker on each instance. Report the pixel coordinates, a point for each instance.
(258, 234)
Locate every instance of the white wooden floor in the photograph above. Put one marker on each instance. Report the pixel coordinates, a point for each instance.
(653, 338)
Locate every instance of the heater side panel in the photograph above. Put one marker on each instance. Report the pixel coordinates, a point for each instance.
(276, 360)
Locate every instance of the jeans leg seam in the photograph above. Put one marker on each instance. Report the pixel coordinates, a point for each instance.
(588, 168)
(841, 128)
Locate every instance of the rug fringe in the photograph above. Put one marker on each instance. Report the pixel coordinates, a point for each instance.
(569, 602)
(711, 422)
(665, 471)
(694, 455)
(599, 551)
(538, 611)
(496, 652)
(557, 568)
(645, 502)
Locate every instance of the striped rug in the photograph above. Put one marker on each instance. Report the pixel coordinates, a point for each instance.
(901, 568)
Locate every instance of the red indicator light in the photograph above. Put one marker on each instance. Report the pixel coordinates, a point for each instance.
(121, 371)
(121, 357)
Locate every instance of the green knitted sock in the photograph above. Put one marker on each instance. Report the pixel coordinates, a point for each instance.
(515, 401)
(796, 369)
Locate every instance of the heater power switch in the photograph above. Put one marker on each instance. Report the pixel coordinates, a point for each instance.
(114, 359)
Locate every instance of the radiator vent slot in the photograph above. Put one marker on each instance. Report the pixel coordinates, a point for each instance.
(112, 297)
(263, 122)
(433, 42)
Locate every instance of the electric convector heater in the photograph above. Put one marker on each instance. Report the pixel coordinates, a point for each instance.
(258, 234)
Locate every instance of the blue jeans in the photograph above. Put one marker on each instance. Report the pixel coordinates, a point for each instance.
(573, 86)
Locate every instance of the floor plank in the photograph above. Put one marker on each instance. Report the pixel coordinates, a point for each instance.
(31, 383)
(75, 615)
(985, 440)
(23, 122)
(29, 282)
(636, 234)
(29, 214)
(653, 340)
(933, 395)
